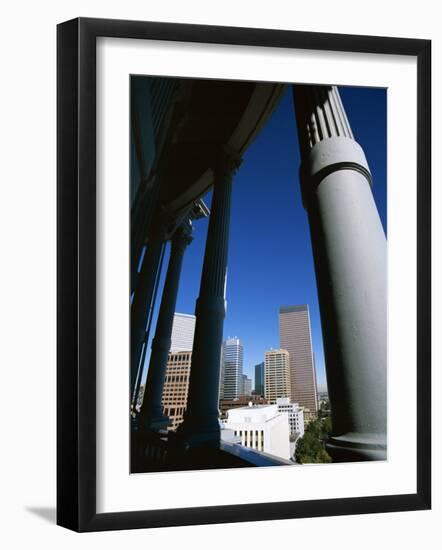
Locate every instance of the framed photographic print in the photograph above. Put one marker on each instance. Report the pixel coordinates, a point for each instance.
(243, 274)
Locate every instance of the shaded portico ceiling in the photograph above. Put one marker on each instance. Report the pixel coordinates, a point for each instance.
(209, 115)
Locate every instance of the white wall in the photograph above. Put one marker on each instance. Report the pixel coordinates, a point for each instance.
(278, 432)
(27, 290)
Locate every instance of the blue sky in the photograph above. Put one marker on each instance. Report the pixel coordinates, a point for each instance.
(270, 257)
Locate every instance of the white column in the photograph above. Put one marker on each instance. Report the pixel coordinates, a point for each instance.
(349, 248)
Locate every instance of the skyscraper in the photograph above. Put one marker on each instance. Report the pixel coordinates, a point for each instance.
(231, 368)
(277, 374)
(176, 387)
(183, 330)
(246, 388)
(259, 379)
(176, 384)
(295, 337)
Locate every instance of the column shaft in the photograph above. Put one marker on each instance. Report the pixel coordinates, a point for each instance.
(142, 214)
(142, 303)
(146, 336)
(349, 248)
(201, 423)
(152, 416)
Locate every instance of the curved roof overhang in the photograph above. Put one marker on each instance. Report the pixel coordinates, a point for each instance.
(214, 114)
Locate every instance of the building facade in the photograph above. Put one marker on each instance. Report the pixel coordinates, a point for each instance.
(295, 415)
(231, 369)
(176, 387)
(246, 388)
(295, 337)
(183, 330)
(276, 375)
(261, 427)
(176, 383)
(259, 379)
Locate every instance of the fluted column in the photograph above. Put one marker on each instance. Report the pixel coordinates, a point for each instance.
(142, 302)
(201, 423)
(350, 254)
(152, 416)
(142, 217)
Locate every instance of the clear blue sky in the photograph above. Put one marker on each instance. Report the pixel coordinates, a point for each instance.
(270, 257)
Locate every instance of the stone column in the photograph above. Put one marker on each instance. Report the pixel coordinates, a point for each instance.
(142, 302)
(142, 217)
(350, 254)
(201, 425)
(146, 335)
(152, 416)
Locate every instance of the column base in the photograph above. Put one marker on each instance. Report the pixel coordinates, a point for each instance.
(157, 423)
(357, 447)
(192, 434)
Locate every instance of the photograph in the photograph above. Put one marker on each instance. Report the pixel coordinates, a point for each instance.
(258, 274)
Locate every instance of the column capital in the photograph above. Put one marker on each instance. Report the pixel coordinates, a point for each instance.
(326, 139)
(182, 236)
(226, 159)
(320, 115)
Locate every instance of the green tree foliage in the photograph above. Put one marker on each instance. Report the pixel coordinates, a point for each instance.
(310, 448)
(324, 409)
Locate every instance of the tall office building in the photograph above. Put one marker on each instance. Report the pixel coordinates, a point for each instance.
(176, 384)
(259, 379)
(176, 387)
(295, 337)
(231, 368)
(183, 329)
(246, 388)
(276, 374)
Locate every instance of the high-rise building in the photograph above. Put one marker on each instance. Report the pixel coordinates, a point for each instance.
(276, 375)
(246, 388)
(176, 384)
(231, 368)
(176, 387)
(183, 330)
(259, 379)
(295, 337)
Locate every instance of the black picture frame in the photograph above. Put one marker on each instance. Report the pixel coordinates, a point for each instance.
(76, 273)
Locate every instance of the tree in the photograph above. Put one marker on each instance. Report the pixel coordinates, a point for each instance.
(310, 449)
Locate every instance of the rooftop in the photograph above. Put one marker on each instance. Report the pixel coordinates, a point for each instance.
(291, 309)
